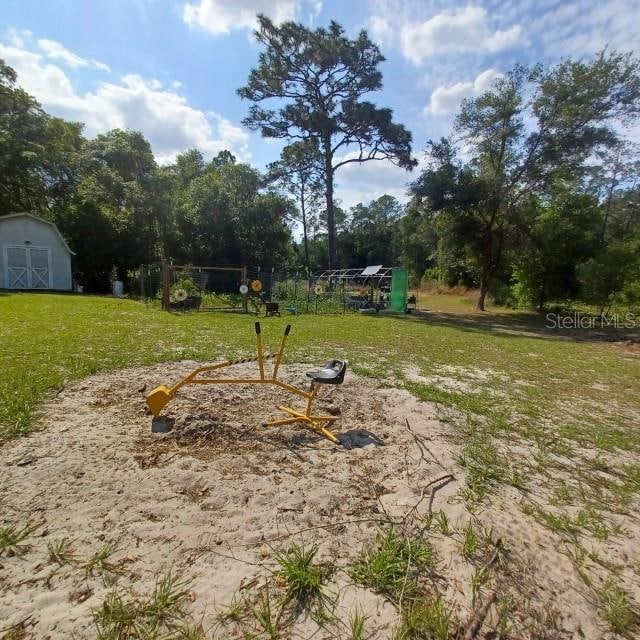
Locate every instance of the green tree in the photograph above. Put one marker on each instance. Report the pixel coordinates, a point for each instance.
(562, 234)
(458, 197)
(117, 194)
(371, 230)
(299, 173)
(320, 78)
(614, 269)
(39, 154)
(224, 217)
(573, 111)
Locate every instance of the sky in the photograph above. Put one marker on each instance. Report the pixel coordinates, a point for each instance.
(170, 68)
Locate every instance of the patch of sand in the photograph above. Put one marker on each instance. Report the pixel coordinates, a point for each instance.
(215, 497)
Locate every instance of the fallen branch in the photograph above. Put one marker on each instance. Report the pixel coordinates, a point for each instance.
(445, 480)
(422, 447)
(478, 618)
(433, 493)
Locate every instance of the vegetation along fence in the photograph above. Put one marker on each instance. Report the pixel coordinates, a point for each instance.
(266, 292)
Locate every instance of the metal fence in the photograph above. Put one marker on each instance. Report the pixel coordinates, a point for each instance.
(263, 292)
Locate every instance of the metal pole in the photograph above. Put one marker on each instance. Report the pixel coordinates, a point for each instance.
(245, 301)
(166, 303)
(279, 356)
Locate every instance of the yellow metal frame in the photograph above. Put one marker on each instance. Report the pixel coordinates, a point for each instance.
(161, 395)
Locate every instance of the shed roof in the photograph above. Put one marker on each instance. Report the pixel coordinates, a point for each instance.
(39, 219)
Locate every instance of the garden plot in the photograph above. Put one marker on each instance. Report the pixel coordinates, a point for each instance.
(225, 527)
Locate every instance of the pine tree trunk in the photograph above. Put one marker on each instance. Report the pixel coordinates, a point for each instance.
(305, 236)
(331, 219)
(484, 287)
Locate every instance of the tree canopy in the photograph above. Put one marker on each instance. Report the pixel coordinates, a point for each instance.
(320, 78)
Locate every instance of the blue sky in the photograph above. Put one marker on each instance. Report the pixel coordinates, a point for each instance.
(171, 68)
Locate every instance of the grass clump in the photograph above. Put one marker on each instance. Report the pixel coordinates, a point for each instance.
(60, 552)
(470, 542)
(267, 618)
(395, 564)
(12, 536)
(100, 561)
(166, 605)
(356, 625)
(161, 615)
(616, 608)
(304, 578)
(426, 620)
(235, 612)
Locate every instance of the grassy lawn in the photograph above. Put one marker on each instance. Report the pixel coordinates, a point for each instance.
(553, 416)
(512, 368)
(512, 379)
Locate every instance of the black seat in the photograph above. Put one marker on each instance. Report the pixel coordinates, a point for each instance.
(332, 373)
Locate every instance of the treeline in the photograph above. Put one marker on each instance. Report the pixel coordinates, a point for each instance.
(118, 209)
(534, 197)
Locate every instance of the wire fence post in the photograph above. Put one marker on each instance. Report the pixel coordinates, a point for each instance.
(165, 286)
(142, 287)
(245, 297)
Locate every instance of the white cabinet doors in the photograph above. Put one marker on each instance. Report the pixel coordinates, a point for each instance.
(27, 267)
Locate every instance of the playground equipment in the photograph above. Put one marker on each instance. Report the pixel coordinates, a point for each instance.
(332, 373)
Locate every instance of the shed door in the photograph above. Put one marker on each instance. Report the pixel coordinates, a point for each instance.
(39, 271)
(27, 267)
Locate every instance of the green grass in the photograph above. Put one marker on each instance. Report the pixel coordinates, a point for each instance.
(267, 618)
(528, 406)
(60, 551)
(13, 536)
(426, 620)
(304, 578)
(616, 608)
(122, 616)
(357, 621)
(100, 562)
(395, 564)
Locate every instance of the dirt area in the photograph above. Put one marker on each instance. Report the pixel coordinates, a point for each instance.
(219, 494)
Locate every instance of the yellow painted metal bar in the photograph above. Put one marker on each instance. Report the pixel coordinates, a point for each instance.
(312, 397)
(316, 427)
(211, 367)
(311, 417)
(276, 364)
(288, 387)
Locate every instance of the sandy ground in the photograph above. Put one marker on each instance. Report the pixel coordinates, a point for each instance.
(214, 498)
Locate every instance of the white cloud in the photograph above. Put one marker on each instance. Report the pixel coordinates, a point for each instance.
(16, 38)
(162, 114)
(461, 31)
(55, 51)
(381, 30)
(369, 180)
(221, 16)
(446, 99)
(583, 28)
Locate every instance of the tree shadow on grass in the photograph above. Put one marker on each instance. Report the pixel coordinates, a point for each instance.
(524, 325)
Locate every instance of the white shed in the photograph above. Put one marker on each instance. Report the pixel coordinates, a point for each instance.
(34, 254)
